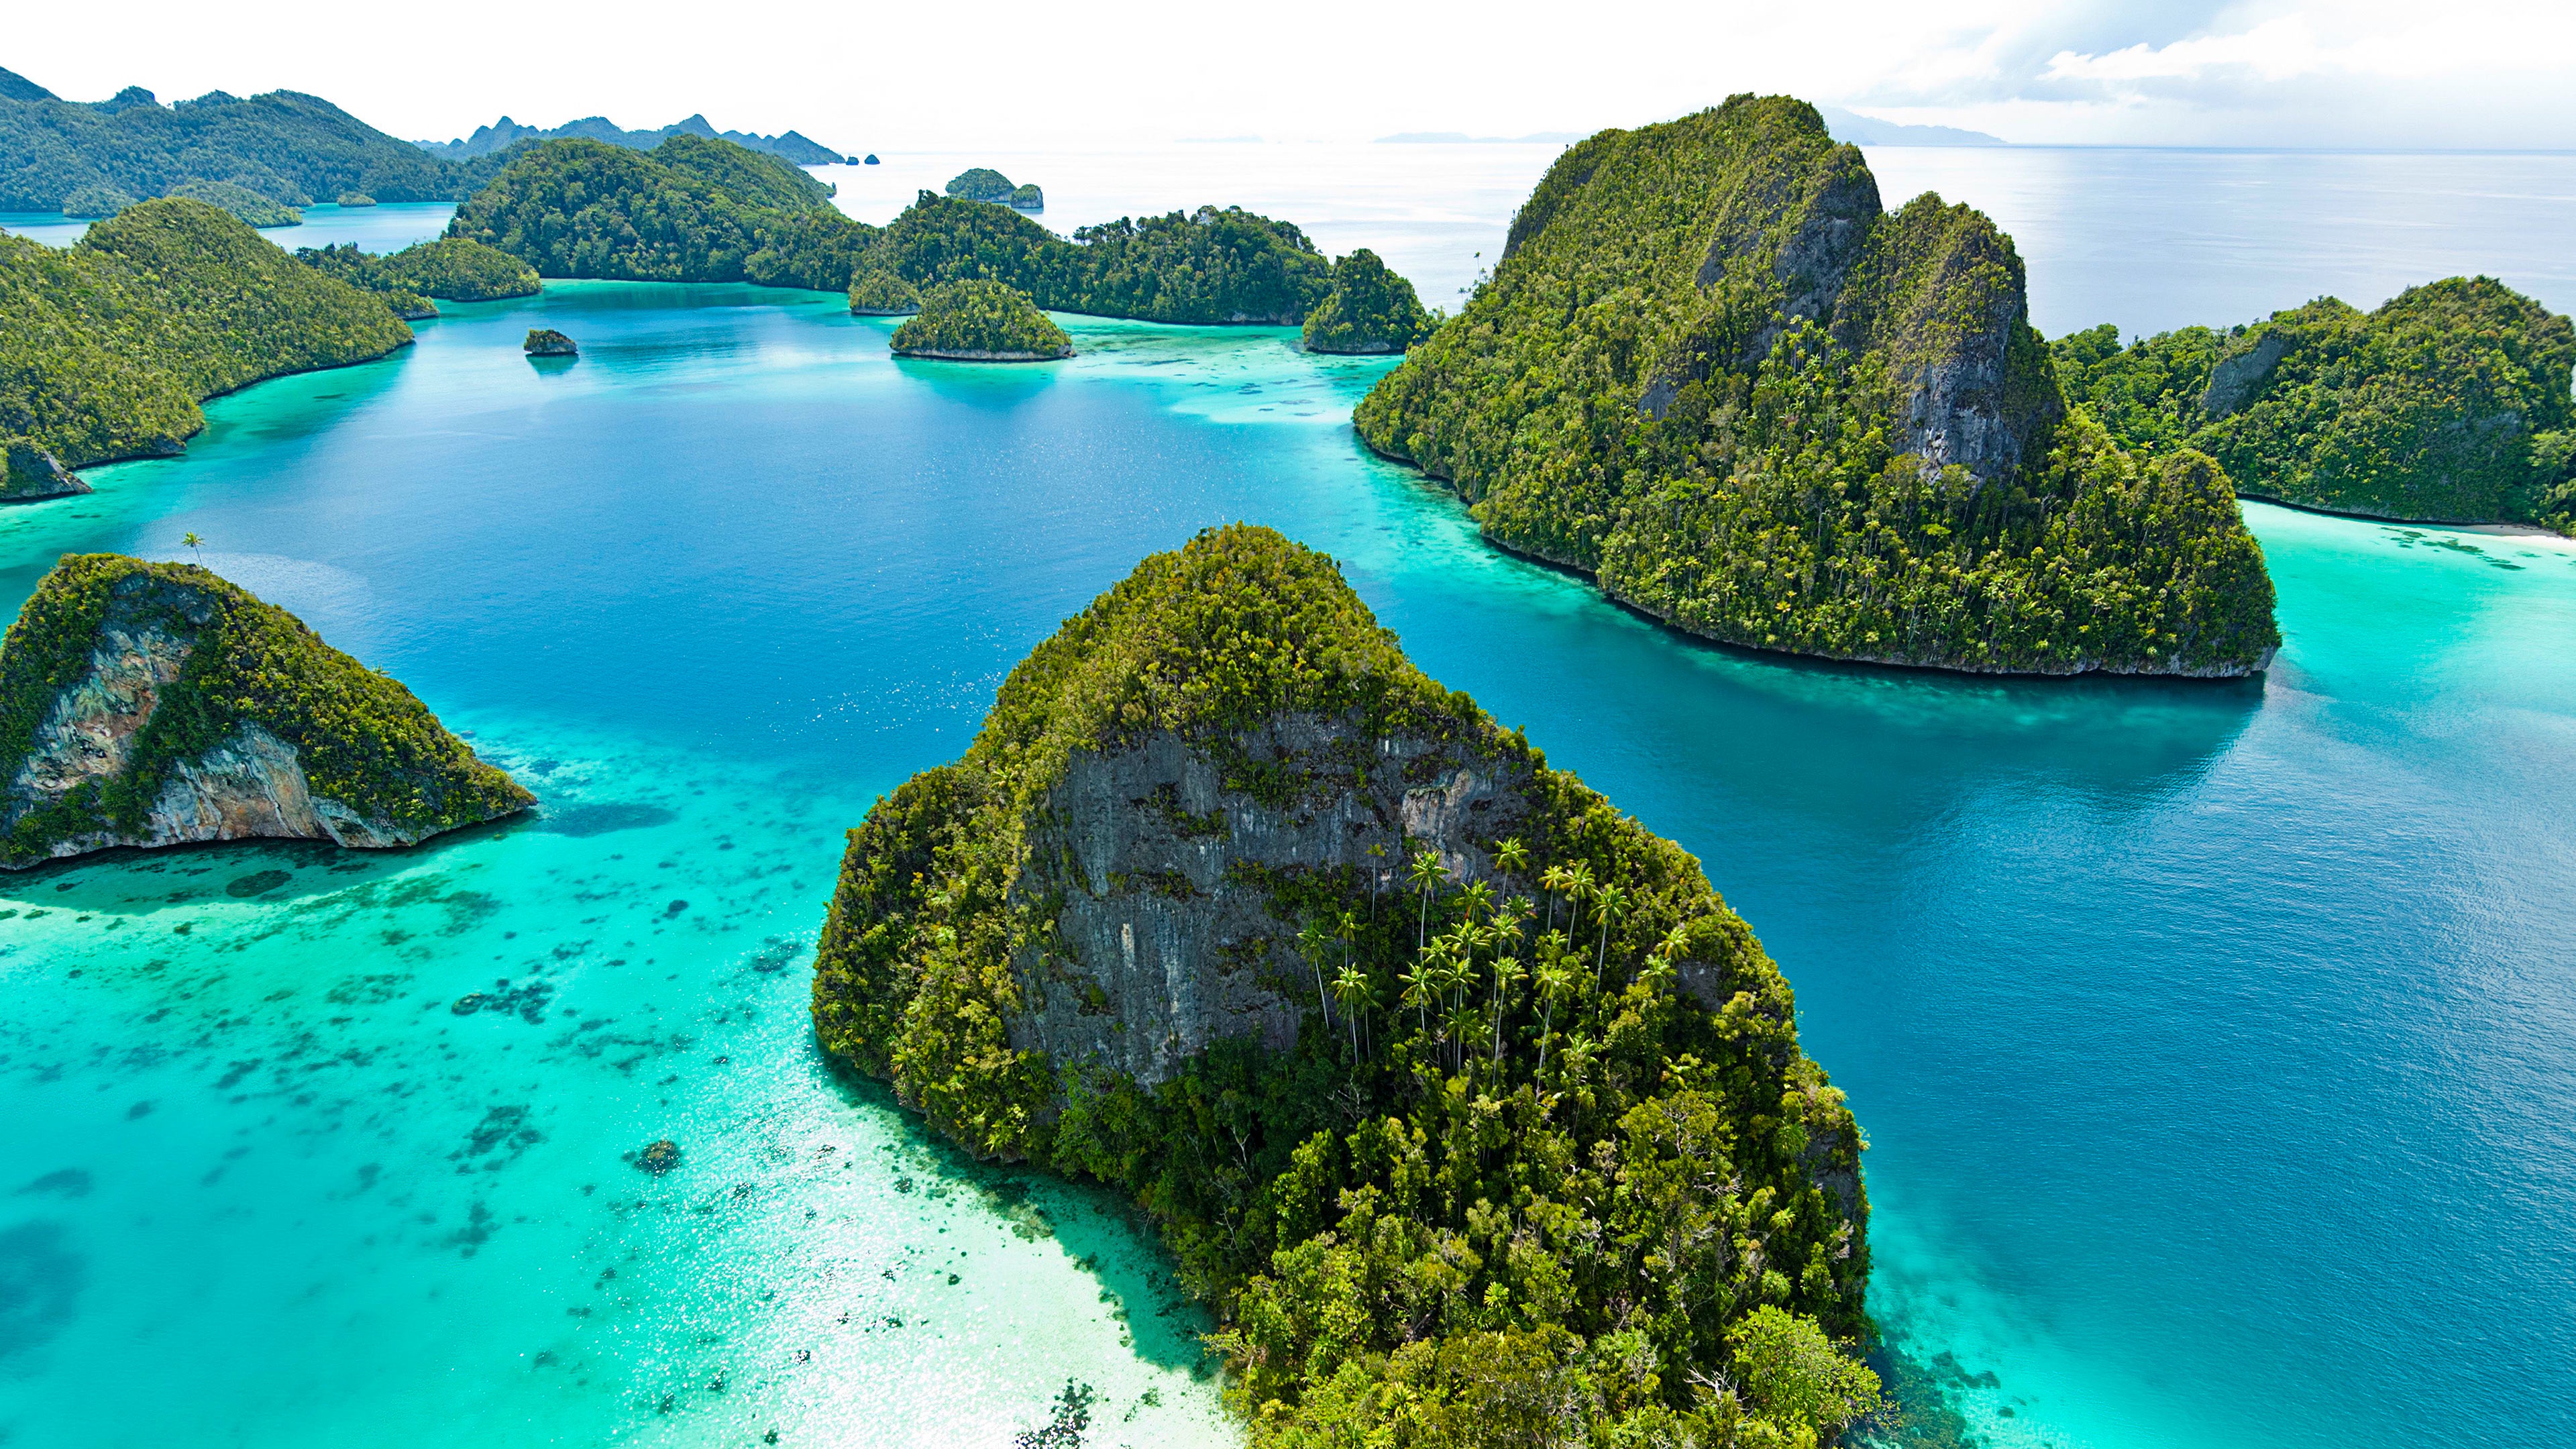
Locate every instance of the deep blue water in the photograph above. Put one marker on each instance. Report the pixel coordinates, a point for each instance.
(2214, 1042)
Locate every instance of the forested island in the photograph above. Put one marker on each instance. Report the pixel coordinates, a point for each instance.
(1713, 374)
(288, 148)
(1370, 309)
(1473, 1111)
(2449, 404)
(980, 321)
(706, 211)
(689, 210)
(983, 183)
(107, 347)
(451, 269)
(147, 704)
(793, 148)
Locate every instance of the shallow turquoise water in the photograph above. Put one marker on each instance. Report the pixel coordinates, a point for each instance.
(2213, 1041)
(385, 227)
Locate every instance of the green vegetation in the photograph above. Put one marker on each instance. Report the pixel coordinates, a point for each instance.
(253, 208)
(986, 184)
(547, 342)
(287, 147)
(1207, 266)
(450, 268)
(981, 321)
(356, 198)
(1370, 309)
(2451, 403)
(1542, 1163)
(506, 134)
(689, 210)
(28, 473)
(1712, 373)
(95, 200)
(361, 739)
(708, 211)
(883, 294)
(106, 348)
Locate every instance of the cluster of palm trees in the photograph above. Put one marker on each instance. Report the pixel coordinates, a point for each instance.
(1478, 955)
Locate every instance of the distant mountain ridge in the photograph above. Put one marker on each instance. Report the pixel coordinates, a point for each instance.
(1860, 130)
(286, 147)
(792, 147)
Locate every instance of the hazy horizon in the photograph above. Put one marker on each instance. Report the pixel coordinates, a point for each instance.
(2486, 75)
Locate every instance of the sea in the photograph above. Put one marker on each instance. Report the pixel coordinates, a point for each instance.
(2215, 1043)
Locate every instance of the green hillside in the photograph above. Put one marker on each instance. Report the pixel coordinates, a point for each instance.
(106, 348)
(1713, 373)
(2451, 403)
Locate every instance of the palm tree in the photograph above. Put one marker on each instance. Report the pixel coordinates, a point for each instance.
(1376, 853)
(196, 544)
(1578, 889)
(1426, 876)
(1507, 974)
(1417, 992)
(1555, 983)
(1609, 904)
(1351, 990)
(1476, 900)
(1511, 857)
(1554, 880)
(1314, 941)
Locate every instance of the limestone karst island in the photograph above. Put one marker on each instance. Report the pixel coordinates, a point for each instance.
(1521, 744)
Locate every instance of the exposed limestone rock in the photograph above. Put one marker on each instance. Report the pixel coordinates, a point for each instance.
(28, 473)
(154, 704)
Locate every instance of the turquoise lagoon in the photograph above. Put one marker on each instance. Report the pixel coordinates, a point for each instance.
(2214, 1042)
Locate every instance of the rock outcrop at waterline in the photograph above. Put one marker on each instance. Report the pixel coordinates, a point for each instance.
(1230, 906)
(146, 704)
(28, 473)
(1714, 374)
(547, 342)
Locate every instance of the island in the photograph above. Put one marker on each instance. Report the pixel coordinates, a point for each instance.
(883, 294)
(450, 268)
(871, 159)
(505, 134)
(1712, 374)
(119, 337)
(2450, 403)
(981, 321)
(152, 704)
(56, 154)
(1446, 1081)
(547, 342)
(29, 473)
(1369, 310)
(983, 183)
(241, 201)
(356, 198)
(707, 211)
(689, 210)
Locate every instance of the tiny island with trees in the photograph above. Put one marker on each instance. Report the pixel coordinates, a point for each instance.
(973, 320)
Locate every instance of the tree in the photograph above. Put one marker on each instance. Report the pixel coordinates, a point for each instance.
(195, 544)
(1313, 942)
(1426, 875)
(1554, 984)
(1790, 1374)
(1507, 974)
(1351, 989)
(1609, 904)
(1511, 857)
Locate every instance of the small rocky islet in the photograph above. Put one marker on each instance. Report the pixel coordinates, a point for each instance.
(151, 704)
(547, 342)
(981, 321)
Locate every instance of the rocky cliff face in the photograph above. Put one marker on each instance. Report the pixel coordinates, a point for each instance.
(28, 473)
(105, 685)
(1158, 881)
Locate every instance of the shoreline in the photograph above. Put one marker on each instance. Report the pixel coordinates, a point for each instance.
(1844, 661)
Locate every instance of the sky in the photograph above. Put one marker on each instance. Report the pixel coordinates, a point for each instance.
(2360, 74)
